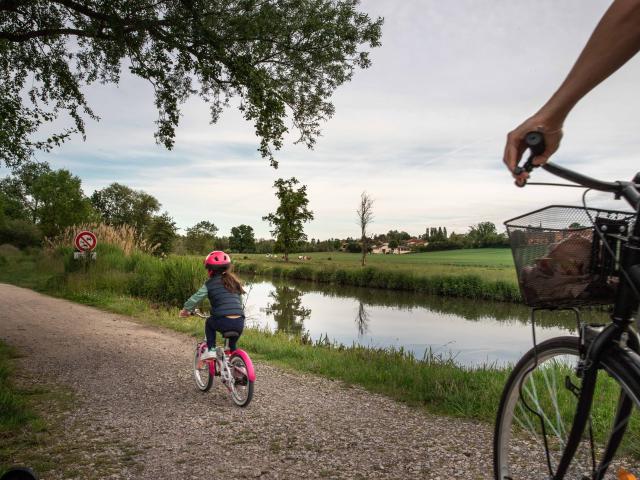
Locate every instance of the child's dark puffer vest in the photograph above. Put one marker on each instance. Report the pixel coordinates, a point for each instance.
(223, 302)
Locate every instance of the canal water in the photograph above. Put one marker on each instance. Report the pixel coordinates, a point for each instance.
(470, 332)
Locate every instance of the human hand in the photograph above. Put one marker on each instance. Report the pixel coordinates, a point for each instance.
(516, 145)
(185, 313)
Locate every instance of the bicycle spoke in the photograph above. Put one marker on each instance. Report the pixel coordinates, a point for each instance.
(538, 411)
(553, 395)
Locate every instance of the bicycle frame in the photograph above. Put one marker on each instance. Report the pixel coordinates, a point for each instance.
(618, 333)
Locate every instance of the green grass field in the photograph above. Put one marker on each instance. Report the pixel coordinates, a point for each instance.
(488, 263)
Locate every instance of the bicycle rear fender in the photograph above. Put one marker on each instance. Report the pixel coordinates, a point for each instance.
(251, 373)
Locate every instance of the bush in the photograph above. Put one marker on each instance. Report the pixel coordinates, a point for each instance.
(20, 233)
(8, 250)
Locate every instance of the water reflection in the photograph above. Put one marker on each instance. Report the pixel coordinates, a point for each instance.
(362, 319)
(471, 331)
(469, 309)
(287, 309)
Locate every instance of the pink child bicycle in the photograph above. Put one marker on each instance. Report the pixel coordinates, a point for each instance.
(235, 369)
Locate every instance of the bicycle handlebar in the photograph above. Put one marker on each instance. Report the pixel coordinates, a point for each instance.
(535, 143)
(198, 313)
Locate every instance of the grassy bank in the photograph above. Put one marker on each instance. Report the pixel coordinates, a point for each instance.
(130, 286)
(434, 383)
(478, 274)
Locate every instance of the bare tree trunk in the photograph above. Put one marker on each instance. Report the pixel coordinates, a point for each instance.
(365, 217)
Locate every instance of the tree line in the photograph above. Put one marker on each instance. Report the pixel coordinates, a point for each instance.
(37, 201)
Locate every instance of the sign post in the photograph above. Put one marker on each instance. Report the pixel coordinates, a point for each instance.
(85, 242)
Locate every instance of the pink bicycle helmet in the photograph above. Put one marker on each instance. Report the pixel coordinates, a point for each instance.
(216, 259)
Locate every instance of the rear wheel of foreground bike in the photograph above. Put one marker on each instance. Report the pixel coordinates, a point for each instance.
(242, 387)
(536, 413)
(201, 373)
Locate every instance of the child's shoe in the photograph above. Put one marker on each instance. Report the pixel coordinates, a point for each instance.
(208, 355)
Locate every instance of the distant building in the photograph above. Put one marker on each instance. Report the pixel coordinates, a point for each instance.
(384, 249)
(416, 242)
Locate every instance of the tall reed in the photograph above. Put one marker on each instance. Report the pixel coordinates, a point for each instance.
(124, 237)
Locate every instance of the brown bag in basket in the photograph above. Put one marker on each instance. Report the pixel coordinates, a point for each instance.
(562, 274)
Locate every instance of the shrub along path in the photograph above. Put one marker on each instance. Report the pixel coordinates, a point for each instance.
(134, 387)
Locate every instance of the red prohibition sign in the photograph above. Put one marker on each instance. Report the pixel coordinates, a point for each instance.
(85, 241)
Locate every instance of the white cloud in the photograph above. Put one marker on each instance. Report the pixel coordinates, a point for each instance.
(422, 130)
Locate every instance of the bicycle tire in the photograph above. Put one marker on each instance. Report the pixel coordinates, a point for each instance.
(201, 372)
(242, 387)
(526, 414)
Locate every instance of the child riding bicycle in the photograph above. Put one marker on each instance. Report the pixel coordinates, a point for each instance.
(223, 289)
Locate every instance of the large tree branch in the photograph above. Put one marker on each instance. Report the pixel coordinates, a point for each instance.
(70, 4)
(112, 20)
(52, 32)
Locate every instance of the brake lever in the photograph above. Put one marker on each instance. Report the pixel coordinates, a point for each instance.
(535, 144)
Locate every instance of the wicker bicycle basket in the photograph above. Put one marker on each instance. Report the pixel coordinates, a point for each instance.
(560, 259)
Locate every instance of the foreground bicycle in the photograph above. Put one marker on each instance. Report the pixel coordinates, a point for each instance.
(570, 406)
(235, 369)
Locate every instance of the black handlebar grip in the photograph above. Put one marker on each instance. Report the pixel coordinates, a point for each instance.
(535, 143)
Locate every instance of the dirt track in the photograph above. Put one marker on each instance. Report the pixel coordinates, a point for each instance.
(139, 408)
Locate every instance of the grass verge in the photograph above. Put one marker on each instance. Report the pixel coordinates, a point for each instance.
(434, 383)
(493, 281)
(35, 430)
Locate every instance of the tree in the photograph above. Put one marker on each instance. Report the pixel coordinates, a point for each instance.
(161, 233)
(484, 234)
(50, 199)
(242, 239)
(18, 190)
(279, 58)
(200, 238)
(288, 219)
(60, 202)
(365, 217)
(121, 205)
(396, 236)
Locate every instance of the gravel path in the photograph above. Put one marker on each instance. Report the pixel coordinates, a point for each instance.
(137, 396)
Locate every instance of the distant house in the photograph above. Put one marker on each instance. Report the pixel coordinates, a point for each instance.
(384, 249)
(415, 243)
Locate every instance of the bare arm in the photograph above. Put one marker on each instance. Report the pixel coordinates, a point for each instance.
(614, 41)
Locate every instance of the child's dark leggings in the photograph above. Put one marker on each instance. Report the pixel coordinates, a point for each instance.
(223, 324)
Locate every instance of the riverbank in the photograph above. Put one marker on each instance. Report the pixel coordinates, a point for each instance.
(139, 407)
(433, 383)
(486, 274)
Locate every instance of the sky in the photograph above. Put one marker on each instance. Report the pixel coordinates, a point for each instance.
(422, 130)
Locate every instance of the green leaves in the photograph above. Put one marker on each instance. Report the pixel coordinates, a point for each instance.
(282, 58)
(201, 237)
(50, 199)
(288, 219)
(242, 239)
(161, 234)
(121, 205)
